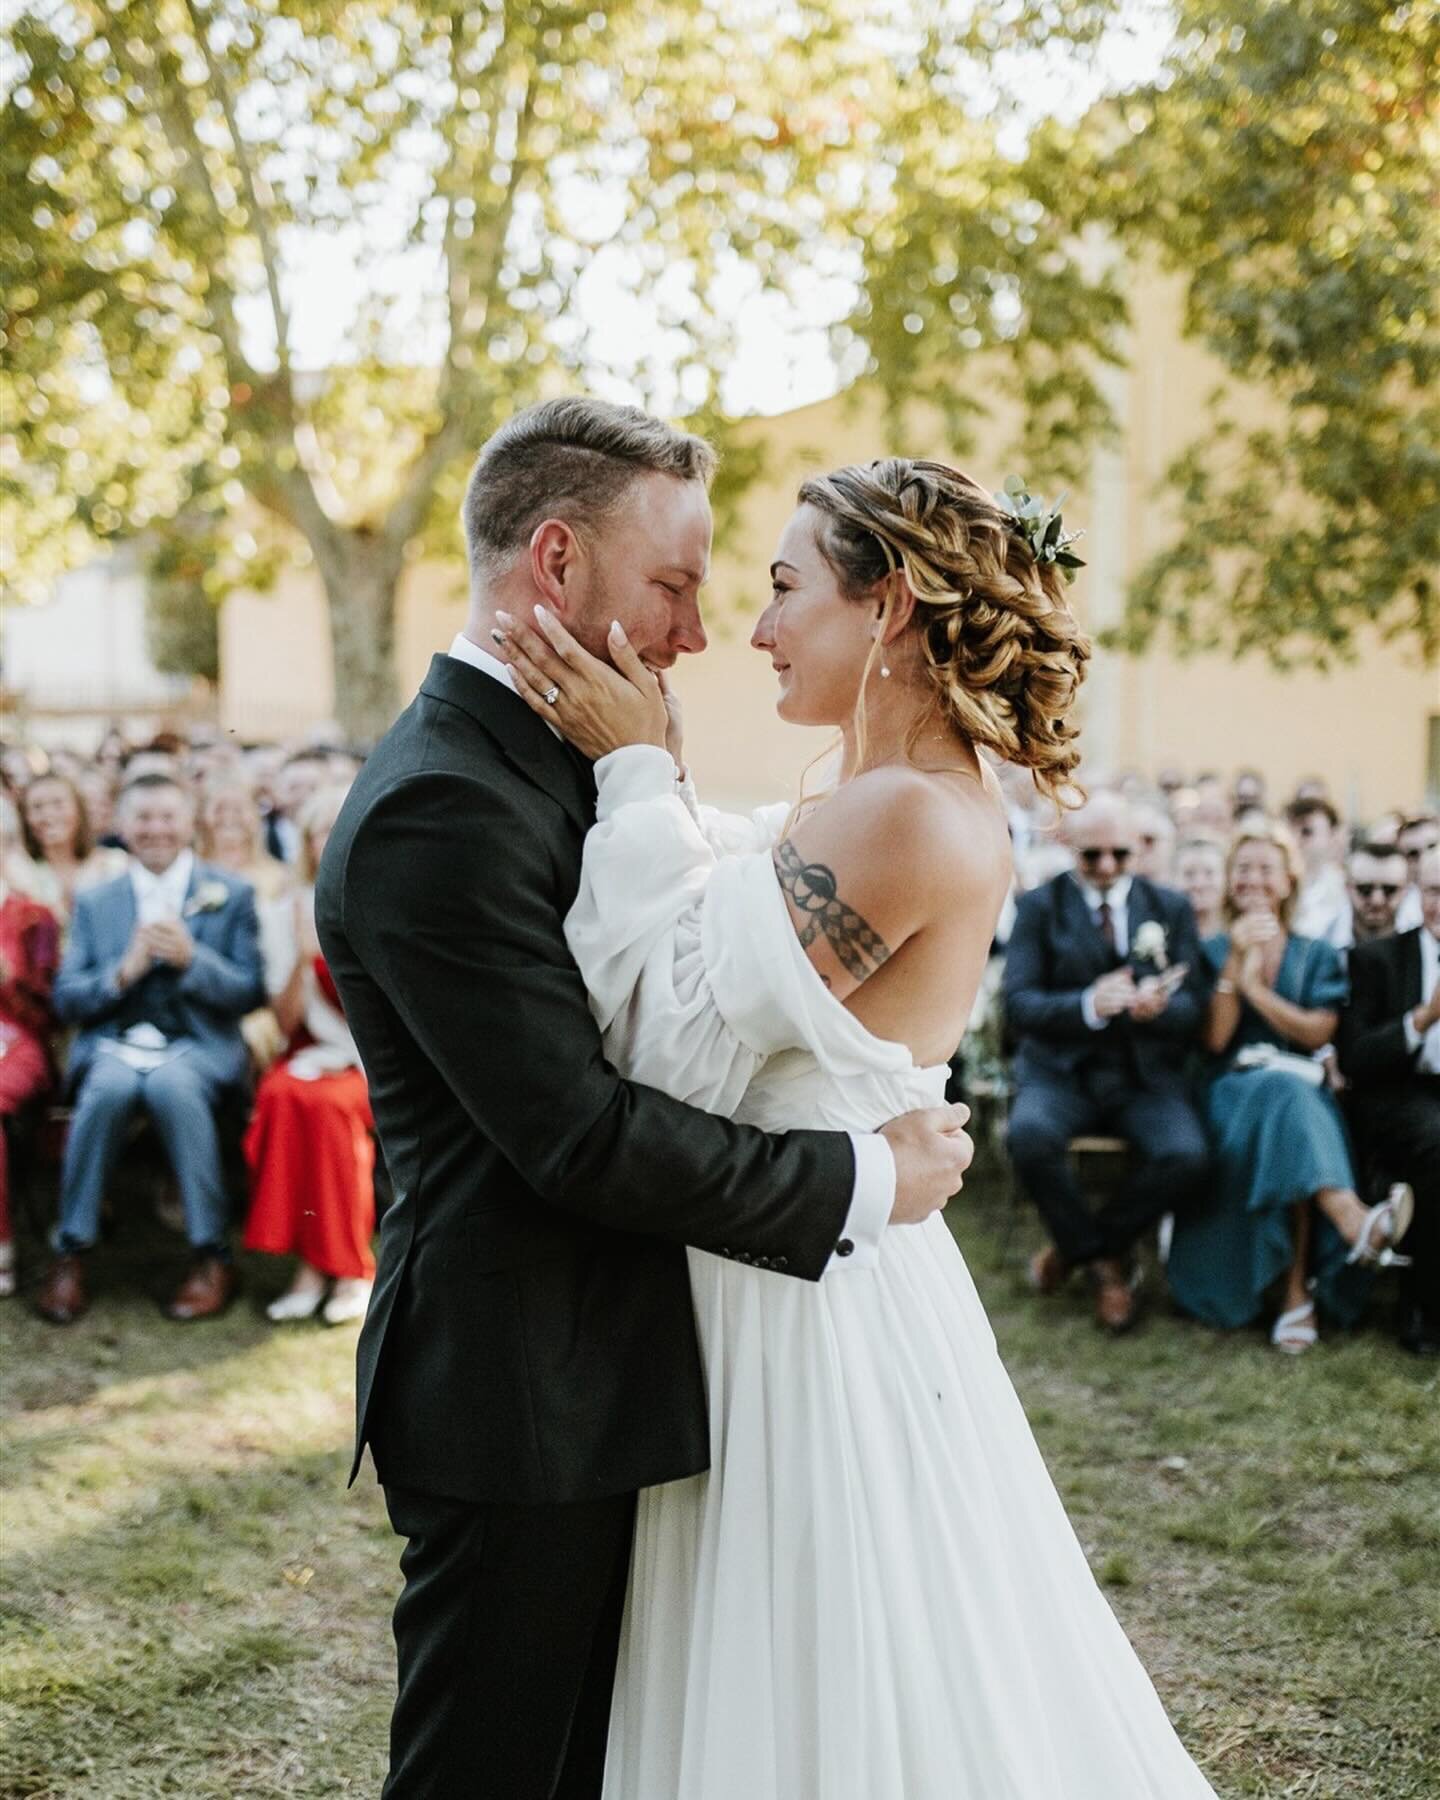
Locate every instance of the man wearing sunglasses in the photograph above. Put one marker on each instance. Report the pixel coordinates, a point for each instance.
(1390, 1052)
(1104, 988)
(1376, 878)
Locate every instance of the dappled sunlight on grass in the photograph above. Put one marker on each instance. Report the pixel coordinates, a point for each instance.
(195, 1605)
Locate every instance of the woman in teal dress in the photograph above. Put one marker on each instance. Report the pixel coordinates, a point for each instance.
(1284, 1213)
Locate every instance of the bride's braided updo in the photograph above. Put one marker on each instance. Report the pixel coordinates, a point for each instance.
(1001, 646)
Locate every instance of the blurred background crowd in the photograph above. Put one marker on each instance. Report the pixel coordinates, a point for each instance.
(1231, 993)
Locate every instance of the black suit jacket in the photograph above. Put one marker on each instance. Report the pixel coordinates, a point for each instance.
(1056, 951)
(1384, 986)
(531, 1336)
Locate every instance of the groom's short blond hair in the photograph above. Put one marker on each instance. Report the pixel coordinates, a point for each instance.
(570, 459)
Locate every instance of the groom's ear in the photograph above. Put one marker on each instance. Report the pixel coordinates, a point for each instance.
(554, 558)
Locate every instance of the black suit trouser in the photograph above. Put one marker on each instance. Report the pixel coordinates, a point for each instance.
(1401, 1129)
(1171, 1158)
(506, 1633)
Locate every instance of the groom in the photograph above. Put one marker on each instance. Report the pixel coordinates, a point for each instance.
(529, 1360)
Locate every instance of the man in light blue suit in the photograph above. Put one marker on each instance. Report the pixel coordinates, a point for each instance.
(162, 965)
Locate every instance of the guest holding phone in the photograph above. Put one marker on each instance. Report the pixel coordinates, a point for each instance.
(1104, 991)
(1284, 1221)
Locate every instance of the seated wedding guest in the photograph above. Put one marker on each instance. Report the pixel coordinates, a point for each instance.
(1104, 992)
(1200, 877)
(61, 857)
(310, 1146)
(1390, 1052)
(1322, 908)
(1415, 836)
(1211, 810)
(298, 778)
(1154, 844)
(1247, 792)
(29, 957)
(1375, 881)
(97, 790)
(1283, 1210)
(231, 834)
(163, 964)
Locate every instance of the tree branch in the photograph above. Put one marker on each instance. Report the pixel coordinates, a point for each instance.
(252, 183)
(464, 273)
(178, 124)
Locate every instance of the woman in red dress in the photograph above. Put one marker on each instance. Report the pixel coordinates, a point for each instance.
(309, 1146)
(29, 957)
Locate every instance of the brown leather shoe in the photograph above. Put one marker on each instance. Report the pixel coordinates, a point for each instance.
(206, 1291)
(61, 1296)
(1116, 1308)
(1049, 1271)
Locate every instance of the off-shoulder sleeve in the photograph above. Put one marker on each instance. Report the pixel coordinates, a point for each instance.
(694, 969)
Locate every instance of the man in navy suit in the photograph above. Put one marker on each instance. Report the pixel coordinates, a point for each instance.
(1105, 991)
(162, 965)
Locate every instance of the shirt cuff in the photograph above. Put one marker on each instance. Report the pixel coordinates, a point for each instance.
(871, 1204)
(1088, 1012)
(1413, 1039)
(633, 772)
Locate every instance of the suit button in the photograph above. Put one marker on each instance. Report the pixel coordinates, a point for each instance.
(844, 1248)
(782, 1262)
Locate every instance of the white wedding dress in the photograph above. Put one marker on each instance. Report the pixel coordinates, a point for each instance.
(875, 1594)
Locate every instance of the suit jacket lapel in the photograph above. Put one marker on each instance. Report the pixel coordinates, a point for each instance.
(1412, 970)
(526, 741)
(121, 918)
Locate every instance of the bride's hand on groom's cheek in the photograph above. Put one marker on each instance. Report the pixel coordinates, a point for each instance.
(598, 708)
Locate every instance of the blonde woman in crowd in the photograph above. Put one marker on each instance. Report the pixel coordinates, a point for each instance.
(60, 856)
(1284, 1213)
(1200, 877)
(232, 835)
(309, 1147)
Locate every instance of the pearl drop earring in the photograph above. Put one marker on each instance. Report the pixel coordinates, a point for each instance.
(885, 670)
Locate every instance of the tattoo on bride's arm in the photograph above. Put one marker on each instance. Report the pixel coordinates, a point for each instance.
(812, 891)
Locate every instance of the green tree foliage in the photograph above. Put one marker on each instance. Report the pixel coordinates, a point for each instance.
(1286, 163)
(1289, 166)
(161, 155)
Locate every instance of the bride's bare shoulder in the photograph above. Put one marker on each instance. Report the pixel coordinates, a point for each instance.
(903, 827)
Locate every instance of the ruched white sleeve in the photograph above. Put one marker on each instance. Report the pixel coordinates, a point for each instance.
(694, 970)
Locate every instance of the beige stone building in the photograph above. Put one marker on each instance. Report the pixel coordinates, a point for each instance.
(1372, 729)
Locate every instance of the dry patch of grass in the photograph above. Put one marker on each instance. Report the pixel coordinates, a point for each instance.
(195, 1606)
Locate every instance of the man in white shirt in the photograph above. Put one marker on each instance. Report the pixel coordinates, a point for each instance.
(1390, 1053)
(162, 965)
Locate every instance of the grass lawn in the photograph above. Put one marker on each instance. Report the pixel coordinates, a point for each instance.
(195, 1606)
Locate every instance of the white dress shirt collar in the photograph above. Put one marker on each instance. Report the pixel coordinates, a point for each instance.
(1118, 895)
(466, 650)
(161, 896)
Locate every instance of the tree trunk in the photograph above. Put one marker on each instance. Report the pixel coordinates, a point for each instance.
(361, 573)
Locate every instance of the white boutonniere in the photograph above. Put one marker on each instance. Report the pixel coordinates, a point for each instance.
(1151, 944)
(209, 897)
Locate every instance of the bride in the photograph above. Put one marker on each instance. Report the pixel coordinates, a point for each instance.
(875, 1594)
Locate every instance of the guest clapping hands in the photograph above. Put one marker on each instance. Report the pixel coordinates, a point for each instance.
(1284, 1211)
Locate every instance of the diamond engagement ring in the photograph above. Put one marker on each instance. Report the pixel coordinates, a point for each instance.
(550, 696)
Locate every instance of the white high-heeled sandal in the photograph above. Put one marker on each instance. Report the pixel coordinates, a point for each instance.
(1394, 1213)
(1294, 1332)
